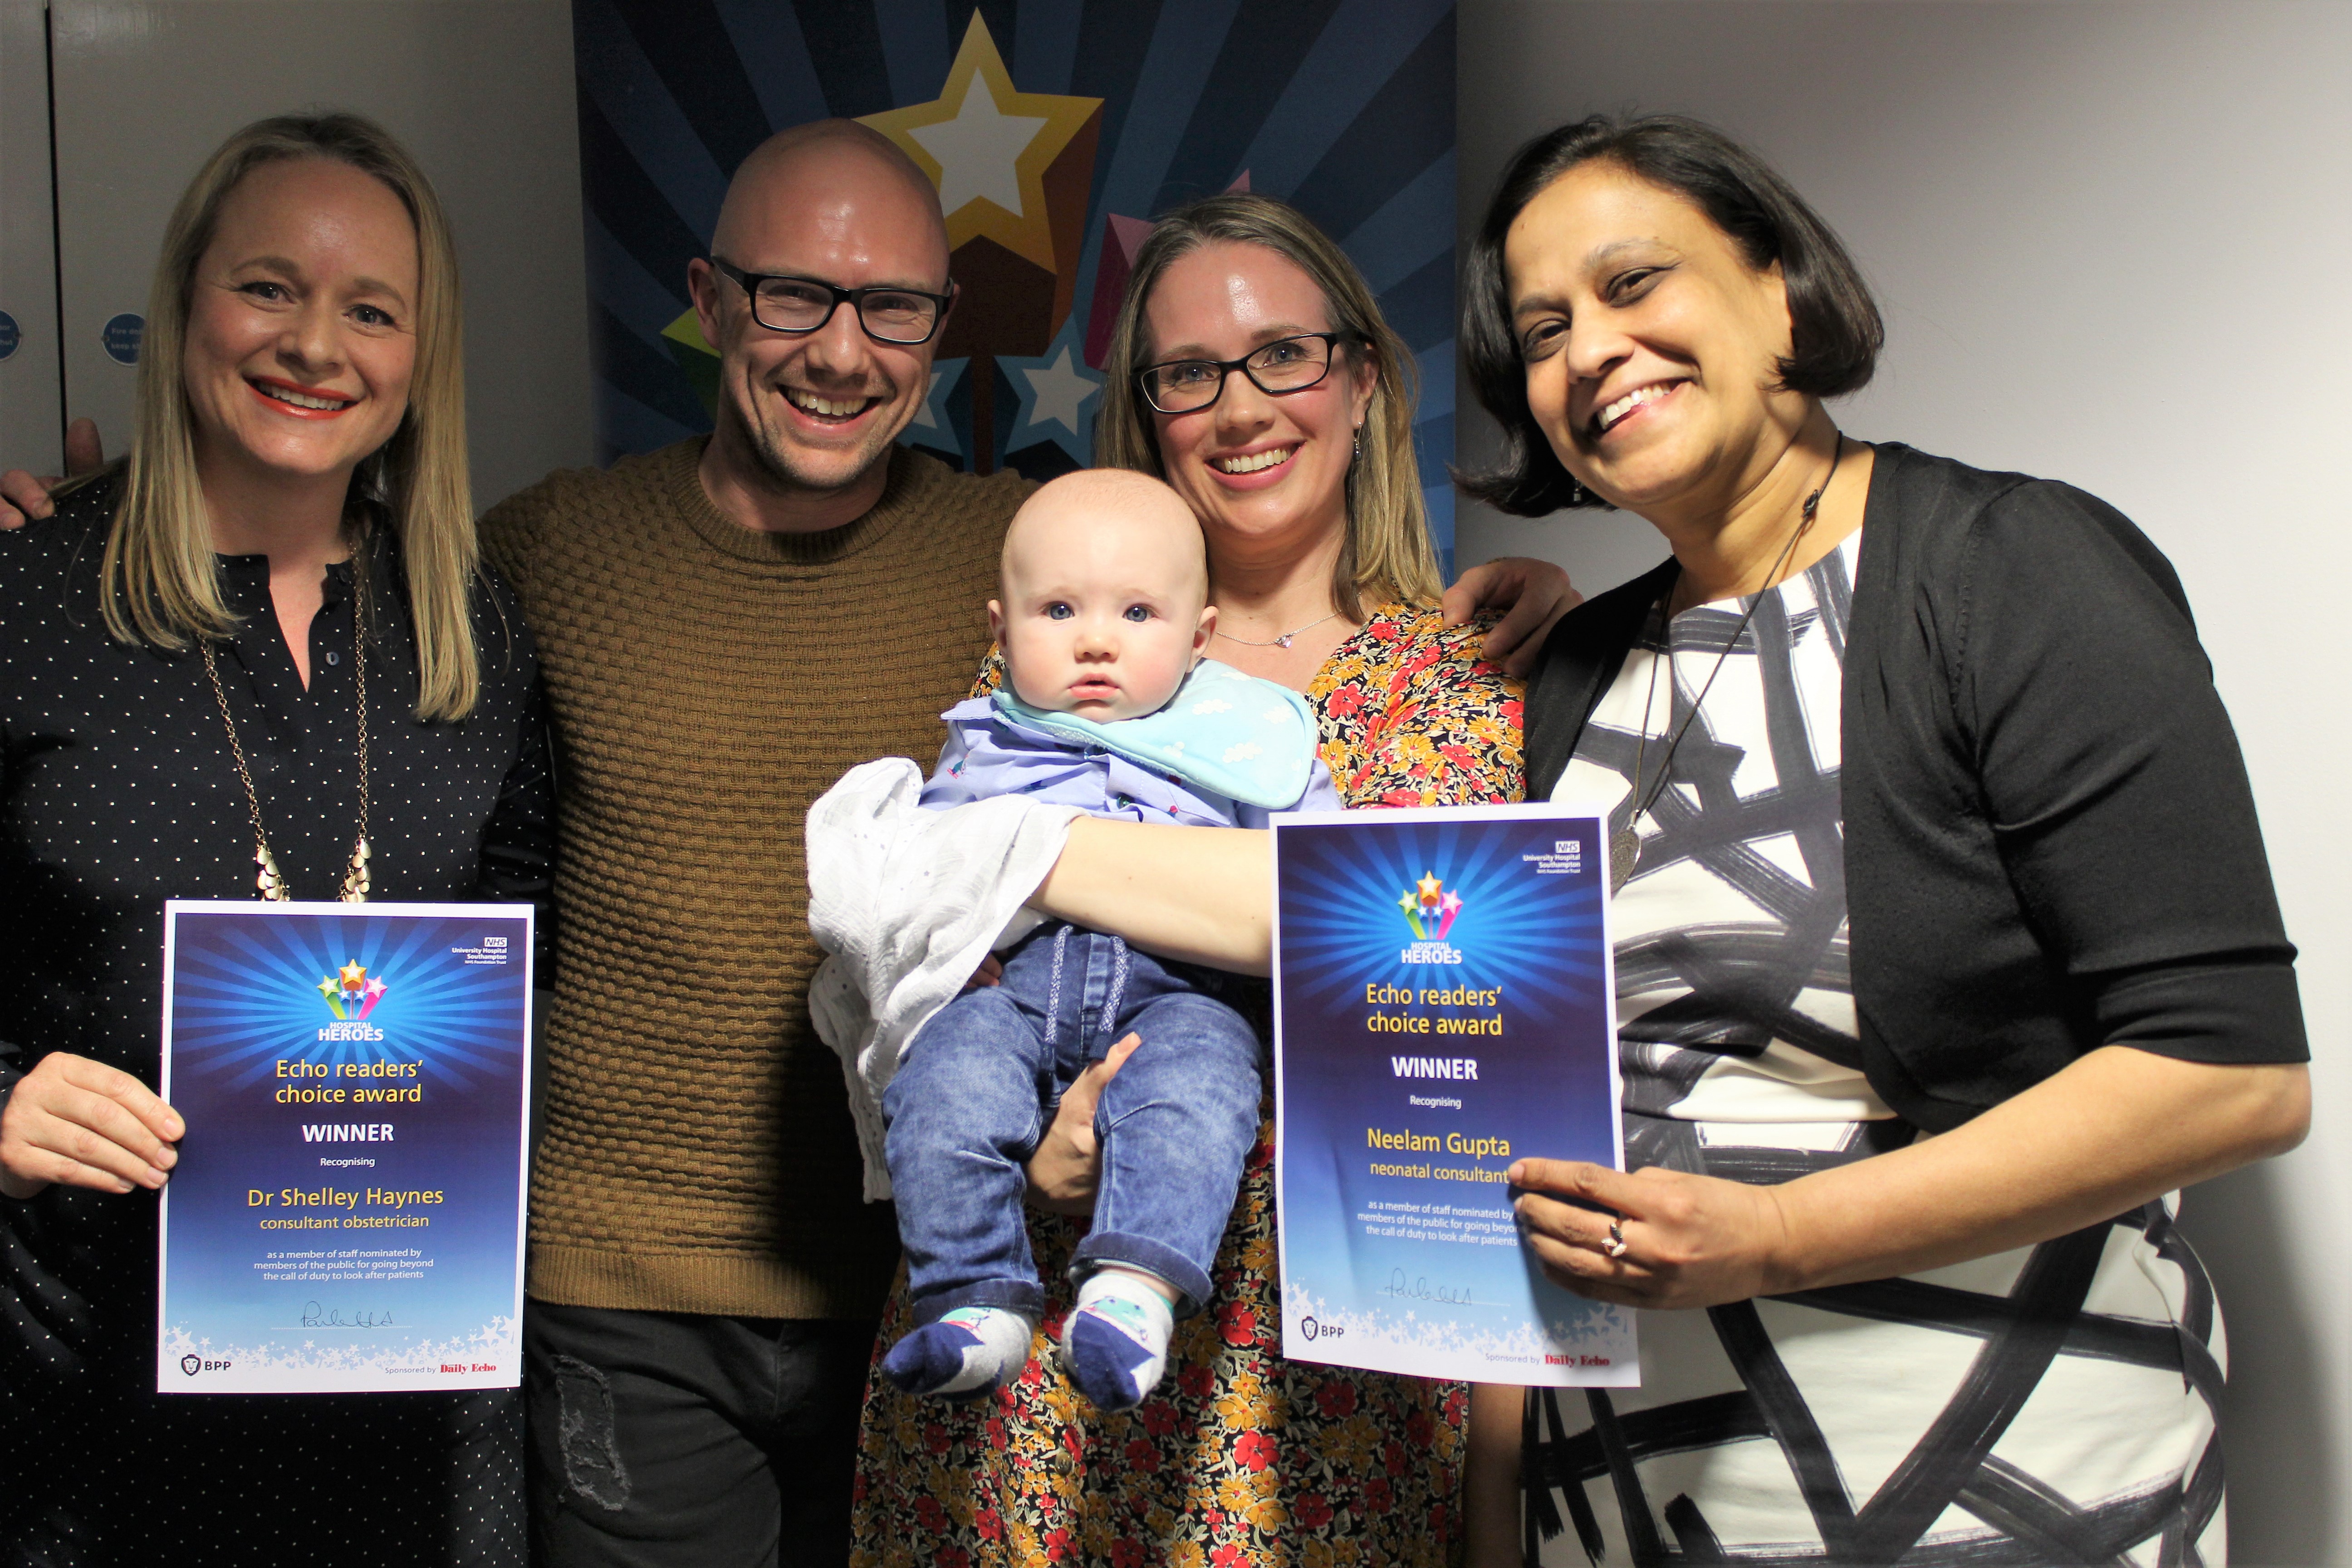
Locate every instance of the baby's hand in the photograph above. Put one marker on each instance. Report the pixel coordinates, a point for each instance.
(990, 973)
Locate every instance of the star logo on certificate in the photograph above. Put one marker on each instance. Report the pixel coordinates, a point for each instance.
(351, 993)
(1429, 908)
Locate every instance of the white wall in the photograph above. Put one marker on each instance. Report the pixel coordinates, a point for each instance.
(479, 90)
(2114, 244)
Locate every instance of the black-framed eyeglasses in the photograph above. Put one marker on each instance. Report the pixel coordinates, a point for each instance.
(802, 305)
(1284, 365)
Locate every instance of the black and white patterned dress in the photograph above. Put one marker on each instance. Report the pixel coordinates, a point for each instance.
(2050, 1404)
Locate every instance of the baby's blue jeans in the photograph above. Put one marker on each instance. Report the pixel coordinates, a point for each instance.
(979, 1088)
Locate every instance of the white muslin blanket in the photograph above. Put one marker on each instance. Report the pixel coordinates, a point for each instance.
(907, 902)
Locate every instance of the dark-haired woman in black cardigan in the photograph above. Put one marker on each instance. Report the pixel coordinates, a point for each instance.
(1947, 950)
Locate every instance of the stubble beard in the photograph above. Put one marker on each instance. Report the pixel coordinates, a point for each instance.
(781, 463)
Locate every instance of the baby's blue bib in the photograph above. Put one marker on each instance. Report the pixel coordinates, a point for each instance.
(1246, 739)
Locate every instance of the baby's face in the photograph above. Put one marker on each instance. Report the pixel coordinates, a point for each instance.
(1104, 613)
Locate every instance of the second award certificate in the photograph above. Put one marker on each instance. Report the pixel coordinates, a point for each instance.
(347, 1214)
(1444, 1006)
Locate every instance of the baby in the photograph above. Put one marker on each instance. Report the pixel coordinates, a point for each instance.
(1110, 707)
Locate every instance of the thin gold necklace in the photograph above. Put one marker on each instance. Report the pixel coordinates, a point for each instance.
(1625, 844)
(1284, 640)
(267, 877)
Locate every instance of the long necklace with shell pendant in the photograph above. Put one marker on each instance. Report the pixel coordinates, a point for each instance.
(1626, 843)
(267, 877)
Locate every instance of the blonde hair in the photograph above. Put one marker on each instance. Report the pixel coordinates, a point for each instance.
(157, 579)
(1386, 555)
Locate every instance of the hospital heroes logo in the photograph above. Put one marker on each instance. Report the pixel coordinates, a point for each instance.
(1430, 910)
(352, 995)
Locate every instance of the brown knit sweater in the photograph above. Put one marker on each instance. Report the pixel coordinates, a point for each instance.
(709, 682)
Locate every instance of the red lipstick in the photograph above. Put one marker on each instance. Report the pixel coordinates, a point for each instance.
(260, 383)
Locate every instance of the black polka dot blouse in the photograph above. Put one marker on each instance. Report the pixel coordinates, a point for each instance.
(118, 789)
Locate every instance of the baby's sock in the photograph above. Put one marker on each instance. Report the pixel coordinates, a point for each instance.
(1115, 1343)
(971, 1350)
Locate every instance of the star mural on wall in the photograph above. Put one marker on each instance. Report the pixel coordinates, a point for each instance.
(1058, 389)
(1055, 396)
(932, 418)
(987, 146)
(976, 151)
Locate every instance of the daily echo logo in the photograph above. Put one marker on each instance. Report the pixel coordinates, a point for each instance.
(351, 994)
(1430, 910)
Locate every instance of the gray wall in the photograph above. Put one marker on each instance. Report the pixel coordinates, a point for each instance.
(29, 283)
(2112, 242)
(480, 92)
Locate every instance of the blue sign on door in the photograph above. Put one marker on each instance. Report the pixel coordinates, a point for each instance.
(121, 335)
(9, 336)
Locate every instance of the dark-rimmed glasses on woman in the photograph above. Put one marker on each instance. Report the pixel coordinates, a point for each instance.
(1284, 365)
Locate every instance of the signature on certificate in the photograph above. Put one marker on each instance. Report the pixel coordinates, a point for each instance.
(317, 1317)
(1420, 1289)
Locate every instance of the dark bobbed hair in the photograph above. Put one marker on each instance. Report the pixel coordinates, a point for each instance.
(1835, 330)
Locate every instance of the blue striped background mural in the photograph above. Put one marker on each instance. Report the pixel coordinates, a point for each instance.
(1344, 107)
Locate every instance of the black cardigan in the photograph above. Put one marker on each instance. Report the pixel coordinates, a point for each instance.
(2051, 845)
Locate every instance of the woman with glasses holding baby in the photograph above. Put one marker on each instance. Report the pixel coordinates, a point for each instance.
(1251, 370)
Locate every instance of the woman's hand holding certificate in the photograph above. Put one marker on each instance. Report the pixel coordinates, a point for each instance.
(1678, 1240)
(85, 1124)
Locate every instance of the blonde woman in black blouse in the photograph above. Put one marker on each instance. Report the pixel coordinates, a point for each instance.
(256, 660)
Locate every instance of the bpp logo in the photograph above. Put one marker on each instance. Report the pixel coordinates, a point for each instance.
(1311, 1330)
(192, 1364)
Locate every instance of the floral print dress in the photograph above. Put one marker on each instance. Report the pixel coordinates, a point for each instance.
(1242, 1457)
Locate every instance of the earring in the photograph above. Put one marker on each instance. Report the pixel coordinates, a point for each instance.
(1358, 454)
(1576, 494)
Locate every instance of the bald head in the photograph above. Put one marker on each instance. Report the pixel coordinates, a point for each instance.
(830, 173)
(1117, 512)
(1106, 587)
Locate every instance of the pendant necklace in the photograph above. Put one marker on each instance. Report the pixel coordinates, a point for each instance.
(1284, 640)
(1625, 844)
(267, 877)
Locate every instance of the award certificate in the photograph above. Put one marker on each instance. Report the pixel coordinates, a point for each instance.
(347, 1213)
(1442, 1005)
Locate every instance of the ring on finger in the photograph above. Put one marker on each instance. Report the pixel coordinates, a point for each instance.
(1616, 1247)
